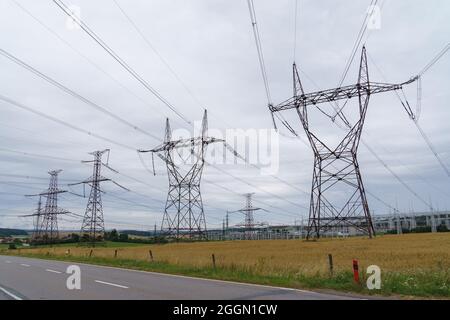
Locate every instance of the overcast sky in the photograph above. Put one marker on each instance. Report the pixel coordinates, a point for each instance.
(209, 60)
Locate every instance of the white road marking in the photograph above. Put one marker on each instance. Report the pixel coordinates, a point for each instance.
(12, 295)
(111, 284)
(54, 271)
(25, 265)
(7, 261)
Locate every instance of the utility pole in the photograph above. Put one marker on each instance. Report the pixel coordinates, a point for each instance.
(433, 223)
(399, 223)
(227, 223)
(46, 229)
(183, 213)
(93, 225)
(336, 169)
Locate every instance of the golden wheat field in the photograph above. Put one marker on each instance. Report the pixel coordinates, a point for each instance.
(409, 252)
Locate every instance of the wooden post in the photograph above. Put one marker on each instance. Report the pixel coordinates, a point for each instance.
(151, 255)
(115, 253)
(213, 260)
(330, 263)
(90, 253)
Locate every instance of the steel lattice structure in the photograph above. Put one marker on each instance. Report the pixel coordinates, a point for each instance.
(337, 168)
(93, 225)
(46, 227)
(183, 212)
(249, 219)
(37, 220)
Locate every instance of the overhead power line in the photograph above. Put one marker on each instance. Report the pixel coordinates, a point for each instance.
(71, 126)
(156, 52)
(61, 122)
(348, 125)
(256, 34)
(30, 154)
(358, 41)
(435, 59)
(116, 57)
(86, 58)
(414, 116)
(397, 177)
(72, 93)
(262, 66)
(94, 36)
(185, 86)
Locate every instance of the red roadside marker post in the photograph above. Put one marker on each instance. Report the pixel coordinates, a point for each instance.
(355, 271)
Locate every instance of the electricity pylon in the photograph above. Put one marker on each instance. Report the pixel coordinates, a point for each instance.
(183, 212)
(93, 225)
(337, 169)
(249, 219)
(46, 228)
(37, 220)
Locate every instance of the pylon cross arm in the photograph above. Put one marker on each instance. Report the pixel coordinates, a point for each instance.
(336, 94)
(183, 143)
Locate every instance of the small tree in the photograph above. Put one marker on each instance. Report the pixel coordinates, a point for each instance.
(112, 236)
(75, 237)
(123, 237)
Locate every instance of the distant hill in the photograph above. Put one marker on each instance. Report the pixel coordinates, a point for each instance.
(12, 232)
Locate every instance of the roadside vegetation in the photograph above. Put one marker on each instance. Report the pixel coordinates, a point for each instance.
(411, 264)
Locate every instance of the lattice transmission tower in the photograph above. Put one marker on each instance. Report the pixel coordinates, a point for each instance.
(336, 168)
(93, 225)
(249, 218)
(46, 222)
(37, 220)
(183, 212)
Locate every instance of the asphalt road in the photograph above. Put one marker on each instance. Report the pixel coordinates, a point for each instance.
(26, 278)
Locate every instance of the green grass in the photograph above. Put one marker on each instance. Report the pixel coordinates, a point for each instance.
(418, 284)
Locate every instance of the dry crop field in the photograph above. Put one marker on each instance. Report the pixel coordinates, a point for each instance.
(392, 253)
